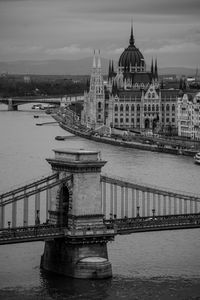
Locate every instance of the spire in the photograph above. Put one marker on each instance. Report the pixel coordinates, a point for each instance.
(131, 40)
(112, 67)
(94, 61)
(99, 61)
(109, 69)
(156, 69)
(152, 73)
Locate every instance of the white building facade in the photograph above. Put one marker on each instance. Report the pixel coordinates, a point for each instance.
(188, 116)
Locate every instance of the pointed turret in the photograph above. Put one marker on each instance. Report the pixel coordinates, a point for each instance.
(152, 71)
(99, 61)
(109, 70)
(156, 70)
(94, 61)
(112, 68)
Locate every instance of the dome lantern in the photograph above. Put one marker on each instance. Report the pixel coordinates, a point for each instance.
(131, 59)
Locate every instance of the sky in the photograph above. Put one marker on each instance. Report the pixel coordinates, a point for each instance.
(168, 30)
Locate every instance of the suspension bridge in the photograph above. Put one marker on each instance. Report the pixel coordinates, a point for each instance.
(81, 207)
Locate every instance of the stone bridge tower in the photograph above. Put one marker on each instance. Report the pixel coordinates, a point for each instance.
(76, 206)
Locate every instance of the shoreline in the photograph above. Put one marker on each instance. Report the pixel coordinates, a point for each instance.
(126, 144)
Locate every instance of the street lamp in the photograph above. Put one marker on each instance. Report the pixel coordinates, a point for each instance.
(138, 211)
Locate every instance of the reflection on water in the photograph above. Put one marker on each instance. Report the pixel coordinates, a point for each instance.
(156, 265)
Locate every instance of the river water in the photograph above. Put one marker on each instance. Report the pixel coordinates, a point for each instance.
(153, 265)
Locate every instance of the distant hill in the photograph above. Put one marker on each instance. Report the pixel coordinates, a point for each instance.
(71, 67)
(52, 67)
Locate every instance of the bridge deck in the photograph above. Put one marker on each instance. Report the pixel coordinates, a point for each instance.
(112, 227)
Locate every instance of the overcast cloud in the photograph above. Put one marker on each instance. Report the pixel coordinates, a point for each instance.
(71, 29)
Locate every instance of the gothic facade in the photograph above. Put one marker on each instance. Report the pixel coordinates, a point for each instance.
(93, 114)
(133, 97)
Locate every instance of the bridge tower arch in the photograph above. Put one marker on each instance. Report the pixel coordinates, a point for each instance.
(77, 205)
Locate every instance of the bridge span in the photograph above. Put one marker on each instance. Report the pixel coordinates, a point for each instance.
(58, 100)
(76, 210)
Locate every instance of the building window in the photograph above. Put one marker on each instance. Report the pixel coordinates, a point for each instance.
(157, 107)
(145, 108)
(153, 95)
(167, 107)
(116, 108)
(121, 120)
(121, 107)
(153, 107)
(127, 120)
(173, 107)
(127, 107)
(99, 105)
(132, 107)
(138, 107)
(149, 107)
(116, 120)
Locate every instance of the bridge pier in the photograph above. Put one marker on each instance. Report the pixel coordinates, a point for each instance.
(11, 106)
(76, 205)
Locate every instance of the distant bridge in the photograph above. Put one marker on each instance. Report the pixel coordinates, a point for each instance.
(14, 102)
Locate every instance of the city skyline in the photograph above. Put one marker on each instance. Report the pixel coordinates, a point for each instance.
(45, 29)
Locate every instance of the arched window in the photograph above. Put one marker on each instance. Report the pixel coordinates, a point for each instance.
(138, 107)
(121, 107)
(127, 107)
(145, 108)
(149, 107)
(153, 107)
(167, 107)
(173, 107)
(163, 107)
(149, 95)
(116, 107)
(99, 105)
(153, 95)
(132, 107)
(157, 107)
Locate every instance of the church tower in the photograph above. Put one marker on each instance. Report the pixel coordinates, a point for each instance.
(94, 100)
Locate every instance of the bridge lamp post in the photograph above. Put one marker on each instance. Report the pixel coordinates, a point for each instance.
(138, 211)
(9, 224)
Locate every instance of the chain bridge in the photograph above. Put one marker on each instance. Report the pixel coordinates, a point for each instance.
(77, 209)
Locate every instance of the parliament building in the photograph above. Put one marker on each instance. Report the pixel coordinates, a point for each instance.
(132, 98)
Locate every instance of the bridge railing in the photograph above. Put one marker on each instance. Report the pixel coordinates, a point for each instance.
(122, 198)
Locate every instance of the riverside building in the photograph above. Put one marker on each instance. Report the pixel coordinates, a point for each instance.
(188, 117)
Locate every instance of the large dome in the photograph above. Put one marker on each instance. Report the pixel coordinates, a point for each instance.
(131, 57)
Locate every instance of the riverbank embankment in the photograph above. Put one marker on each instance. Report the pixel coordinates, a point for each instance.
(120, 142)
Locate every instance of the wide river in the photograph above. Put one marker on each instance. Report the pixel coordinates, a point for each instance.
(153, 265)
